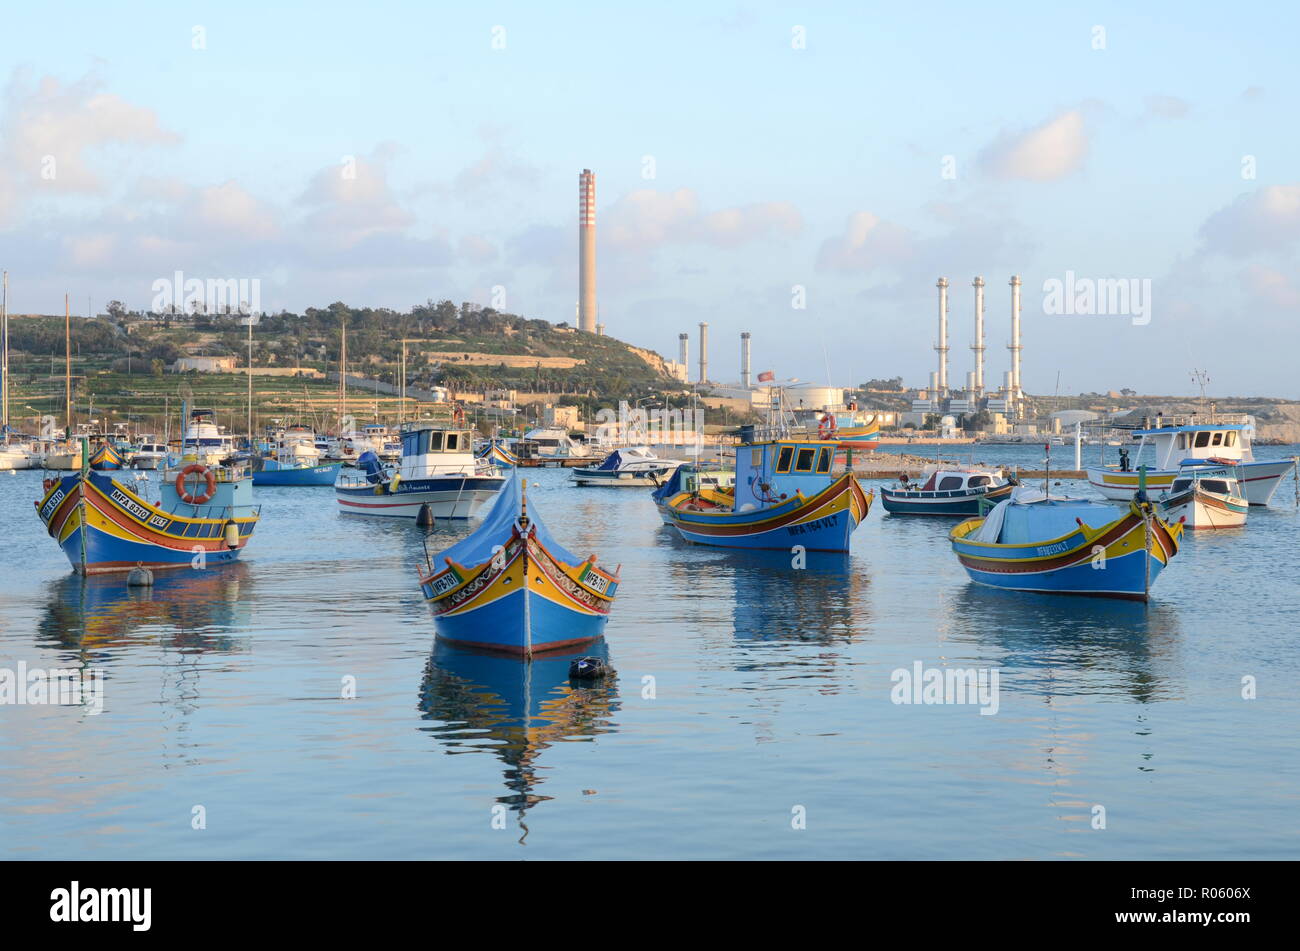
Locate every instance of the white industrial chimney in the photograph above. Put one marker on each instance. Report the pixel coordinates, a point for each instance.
(978, 345)
(1016, 392)
(942, 347)
(704, 352)
(744, 359)
(587, 251)
(683, 348)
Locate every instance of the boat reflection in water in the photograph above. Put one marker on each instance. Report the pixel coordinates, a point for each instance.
(514, 708)
(1053, 648)
(820, 601)
(183, 610)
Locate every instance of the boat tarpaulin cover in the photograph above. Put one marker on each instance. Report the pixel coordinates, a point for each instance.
(495, 529)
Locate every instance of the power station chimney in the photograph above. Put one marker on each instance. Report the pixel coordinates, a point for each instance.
(704, 352)
(942, 348)
(587, 251)
(683, 348)
(744, 359)
(978, 345)
(1016, 392)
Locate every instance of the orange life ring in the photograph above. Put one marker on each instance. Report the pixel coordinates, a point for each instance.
(826, 428)
(195, 469)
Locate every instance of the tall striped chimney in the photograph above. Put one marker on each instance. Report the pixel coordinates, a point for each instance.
(587, 251)
(978, 345)
(704, 352)
(942, 347)
(744, 359)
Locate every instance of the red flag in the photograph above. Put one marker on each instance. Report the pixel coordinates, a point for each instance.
(767, 376)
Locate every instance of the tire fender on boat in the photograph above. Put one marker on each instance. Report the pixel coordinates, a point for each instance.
(231, 532)
(395, 482)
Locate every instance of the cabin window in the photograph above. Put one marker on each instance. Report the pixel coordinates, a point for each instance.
(1202, 440)
(435, 442)
(978, 481)
(824, 459)
(805, 462)
(1218, 440)
(949, 482)
(453, 441)
(1215, 485)
(1230, 439)
(783, 460)
(1180, 485)
(756, 458)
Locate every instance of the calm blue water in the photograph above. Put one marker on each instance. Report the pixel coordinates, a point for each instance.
(771, 694)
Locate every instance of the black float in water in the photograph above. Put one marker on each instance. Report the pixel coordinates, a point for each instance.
(425, 518)
(140, 577)
(589, 668)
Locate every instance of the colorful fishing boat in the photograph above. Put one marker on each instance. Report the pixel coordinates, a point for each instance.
(106, 458)
(690, 479)
(510, 586)
(785, 495)
(1205, 497)
(842, 427)
(1056, 545)
(635, 465)
(204, 517)
(1177, 441)
(496, 453)
(438, 469)
(947, 492)
(295, 461)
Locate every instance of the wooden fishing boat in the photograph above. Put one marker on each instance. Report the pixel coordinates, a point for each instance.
(496, 453)
(511, 587)
(438, 469)
(947, 492)
(1033, 542)
(204, 517)
(1205, 497)
(1178, 441)
(691, 479)
(785, 495)
(106, 458)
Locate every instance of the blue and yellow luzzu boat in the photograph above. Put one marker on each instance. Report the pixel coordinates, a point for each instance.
(205, 517)
(1032, 542)
(511, 587)
(106, 458)
(496, 453)
(785, 495)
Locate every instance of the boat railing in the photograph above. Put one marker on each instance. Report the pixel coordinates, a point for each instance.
(1184, 419)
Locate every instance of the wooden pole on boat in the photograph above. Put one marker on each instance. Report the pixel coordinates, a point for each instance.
(67, 365)
(1047, 469)
(1146, 531)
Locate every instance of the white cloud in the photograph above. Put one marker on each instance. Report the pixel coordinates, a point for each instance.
(1048, 152)
(648, 218)
(1264, 220)
(868, 243)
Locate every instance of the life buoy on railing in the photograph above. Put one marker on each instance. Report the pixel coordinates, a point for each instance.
(826, 428)
(202, 498)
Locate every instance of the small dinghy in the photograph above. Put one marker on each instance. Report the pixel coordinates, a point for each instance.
(947, 492)
(511, 587)
(635, 465)
(1206, 497)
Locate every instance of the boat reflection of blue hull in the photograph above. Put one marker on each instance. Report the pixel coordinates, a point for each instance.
(307, 475)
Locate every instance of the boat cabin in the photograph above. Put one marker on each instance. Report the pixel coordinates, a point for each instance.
(1175, 445)
(956, 482)
(433, 449)
(768, 472)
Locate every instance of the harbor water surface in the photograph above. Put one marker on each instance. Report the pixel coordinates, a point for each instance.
(750, 715)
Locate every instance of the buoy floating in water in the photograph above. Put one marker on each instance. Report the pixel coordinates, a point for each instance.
(140, 577)
(589, 668)
(425, 517)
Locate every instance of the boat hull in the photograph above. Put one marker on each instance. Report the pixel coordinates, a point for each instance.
(591, 477)
(451, 497)
(962, 502)
(306, 475)
(104, 527)
(524, 602)
(1258, 480)
(822, 522)
(1204, 510)
(1117, 560)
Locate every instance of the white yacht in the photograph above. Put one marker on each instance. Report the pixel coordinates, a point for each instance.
(635, 465)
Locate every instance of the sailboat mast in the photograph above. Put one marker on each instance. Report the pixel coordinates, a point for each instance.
(67, 364)
(343, 377)
(4, 354)
(249, 318)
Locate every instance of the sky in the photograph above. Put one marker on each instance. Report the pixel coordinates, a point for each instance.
(804, 172)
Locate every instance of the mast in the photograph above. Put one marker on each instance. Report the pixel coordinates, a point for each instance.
(67, 365)
(343, 376)
(4, 356)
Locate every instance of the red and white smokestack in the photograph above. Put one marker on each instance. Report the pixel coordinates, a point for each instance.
(942, 347)
(978, 345)
(704, 352)
(587, 251)
(744, 359)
